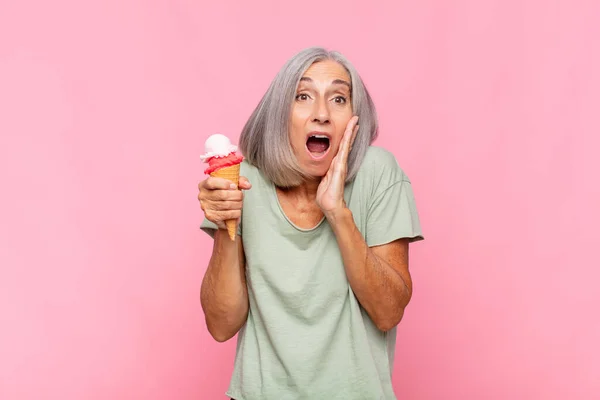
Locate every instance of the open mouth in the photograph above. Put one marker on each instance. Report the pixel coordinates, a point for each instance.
(317, 145)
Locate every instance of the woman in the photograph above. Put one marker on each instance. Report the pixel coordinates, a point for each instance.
(317, 278)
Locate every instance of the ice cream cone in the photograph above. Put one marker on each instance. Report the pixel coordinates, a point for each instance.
(232, 174)
(223, 162)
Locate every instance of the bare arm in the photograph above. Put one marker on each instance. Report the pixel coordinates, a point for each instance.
(379, 275)
(224, 294)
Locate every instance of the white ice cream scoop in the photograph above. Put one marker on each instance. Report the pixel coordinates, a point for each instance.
(217, 145)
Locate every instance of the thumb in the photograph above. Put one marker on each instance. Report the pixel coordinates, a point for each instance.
(244, 183)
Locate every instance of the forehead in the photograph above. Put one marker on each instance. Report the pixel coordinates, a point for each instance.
(327, 70)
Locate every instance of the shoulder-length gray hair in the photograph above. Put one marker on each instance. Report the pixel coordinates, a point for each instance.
(265, 141)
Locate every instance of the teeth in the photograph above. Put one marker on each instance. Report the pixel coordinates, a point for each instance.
(320, 136)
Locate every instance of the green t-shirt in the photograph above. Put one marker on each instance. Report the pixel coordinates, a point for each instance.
(307, 336)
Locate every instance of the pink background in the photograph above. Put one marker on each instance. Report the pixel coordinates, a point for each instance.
(491, 107)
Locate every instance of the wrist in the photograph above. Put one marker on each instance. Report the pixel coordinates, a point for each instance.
(222, 237)
(339, 217)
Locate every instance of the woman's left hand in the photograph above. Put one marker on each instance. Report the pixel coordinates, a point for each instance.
(330, 194)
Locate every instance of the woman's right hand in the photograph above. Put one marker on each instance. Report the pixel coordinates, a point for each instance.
(221, 200)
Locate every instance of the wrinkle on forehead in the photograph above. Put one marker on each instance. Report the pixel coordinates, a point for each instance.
(327, 72)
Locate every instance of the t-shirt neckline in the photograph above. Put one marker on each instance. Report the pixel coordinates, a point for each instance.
(289, 221)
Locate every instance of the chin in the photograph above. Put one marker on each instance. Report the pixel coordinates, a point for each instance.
(319, 175)
(316, 171)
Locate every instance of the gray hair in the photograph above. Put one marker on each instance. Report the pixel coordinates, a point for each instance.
(265, 142)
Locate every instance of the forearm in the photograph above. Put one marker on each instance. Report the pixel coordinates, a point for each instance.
(380, 289)
(224, 294)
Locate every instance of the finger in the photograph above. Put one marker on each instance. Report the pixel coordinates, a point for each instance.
(353, 138)
(220, 216)
(348, 133)
(338, 172)
(225, 205)
(244, 183)
(337, 164)
(223, 195)
(332, 167)
(343, 153)
(213, 183)
(231, 214)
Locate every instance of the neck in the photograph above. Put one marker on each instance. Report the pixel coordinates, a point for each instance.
(307, 190)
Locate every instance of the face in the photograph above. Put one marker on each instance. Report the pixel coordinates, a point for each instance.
(320, 112)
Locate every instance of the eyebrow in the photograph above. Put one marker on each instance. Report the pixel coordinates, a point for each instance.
(335, 82)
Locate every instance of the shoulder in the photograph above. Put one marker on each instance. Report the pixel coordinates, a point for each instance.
(380, 167)
(378, 156)
(260, 185)
(248, 170)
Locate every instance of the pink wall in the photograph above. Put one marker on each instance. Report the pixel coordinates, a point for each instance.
(492, 107)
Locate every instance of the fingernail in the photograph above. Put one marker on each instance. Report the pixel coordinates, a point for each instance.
(232, 186)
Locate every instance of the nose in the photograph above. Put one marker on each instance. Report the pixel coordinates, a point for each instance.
(320, 112)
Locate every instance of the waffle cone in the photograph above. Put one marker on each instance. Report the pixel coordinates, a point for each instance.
(232, 174)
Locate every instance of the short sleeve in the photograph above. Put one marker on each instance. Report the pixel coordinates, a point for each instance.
(392, 215)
